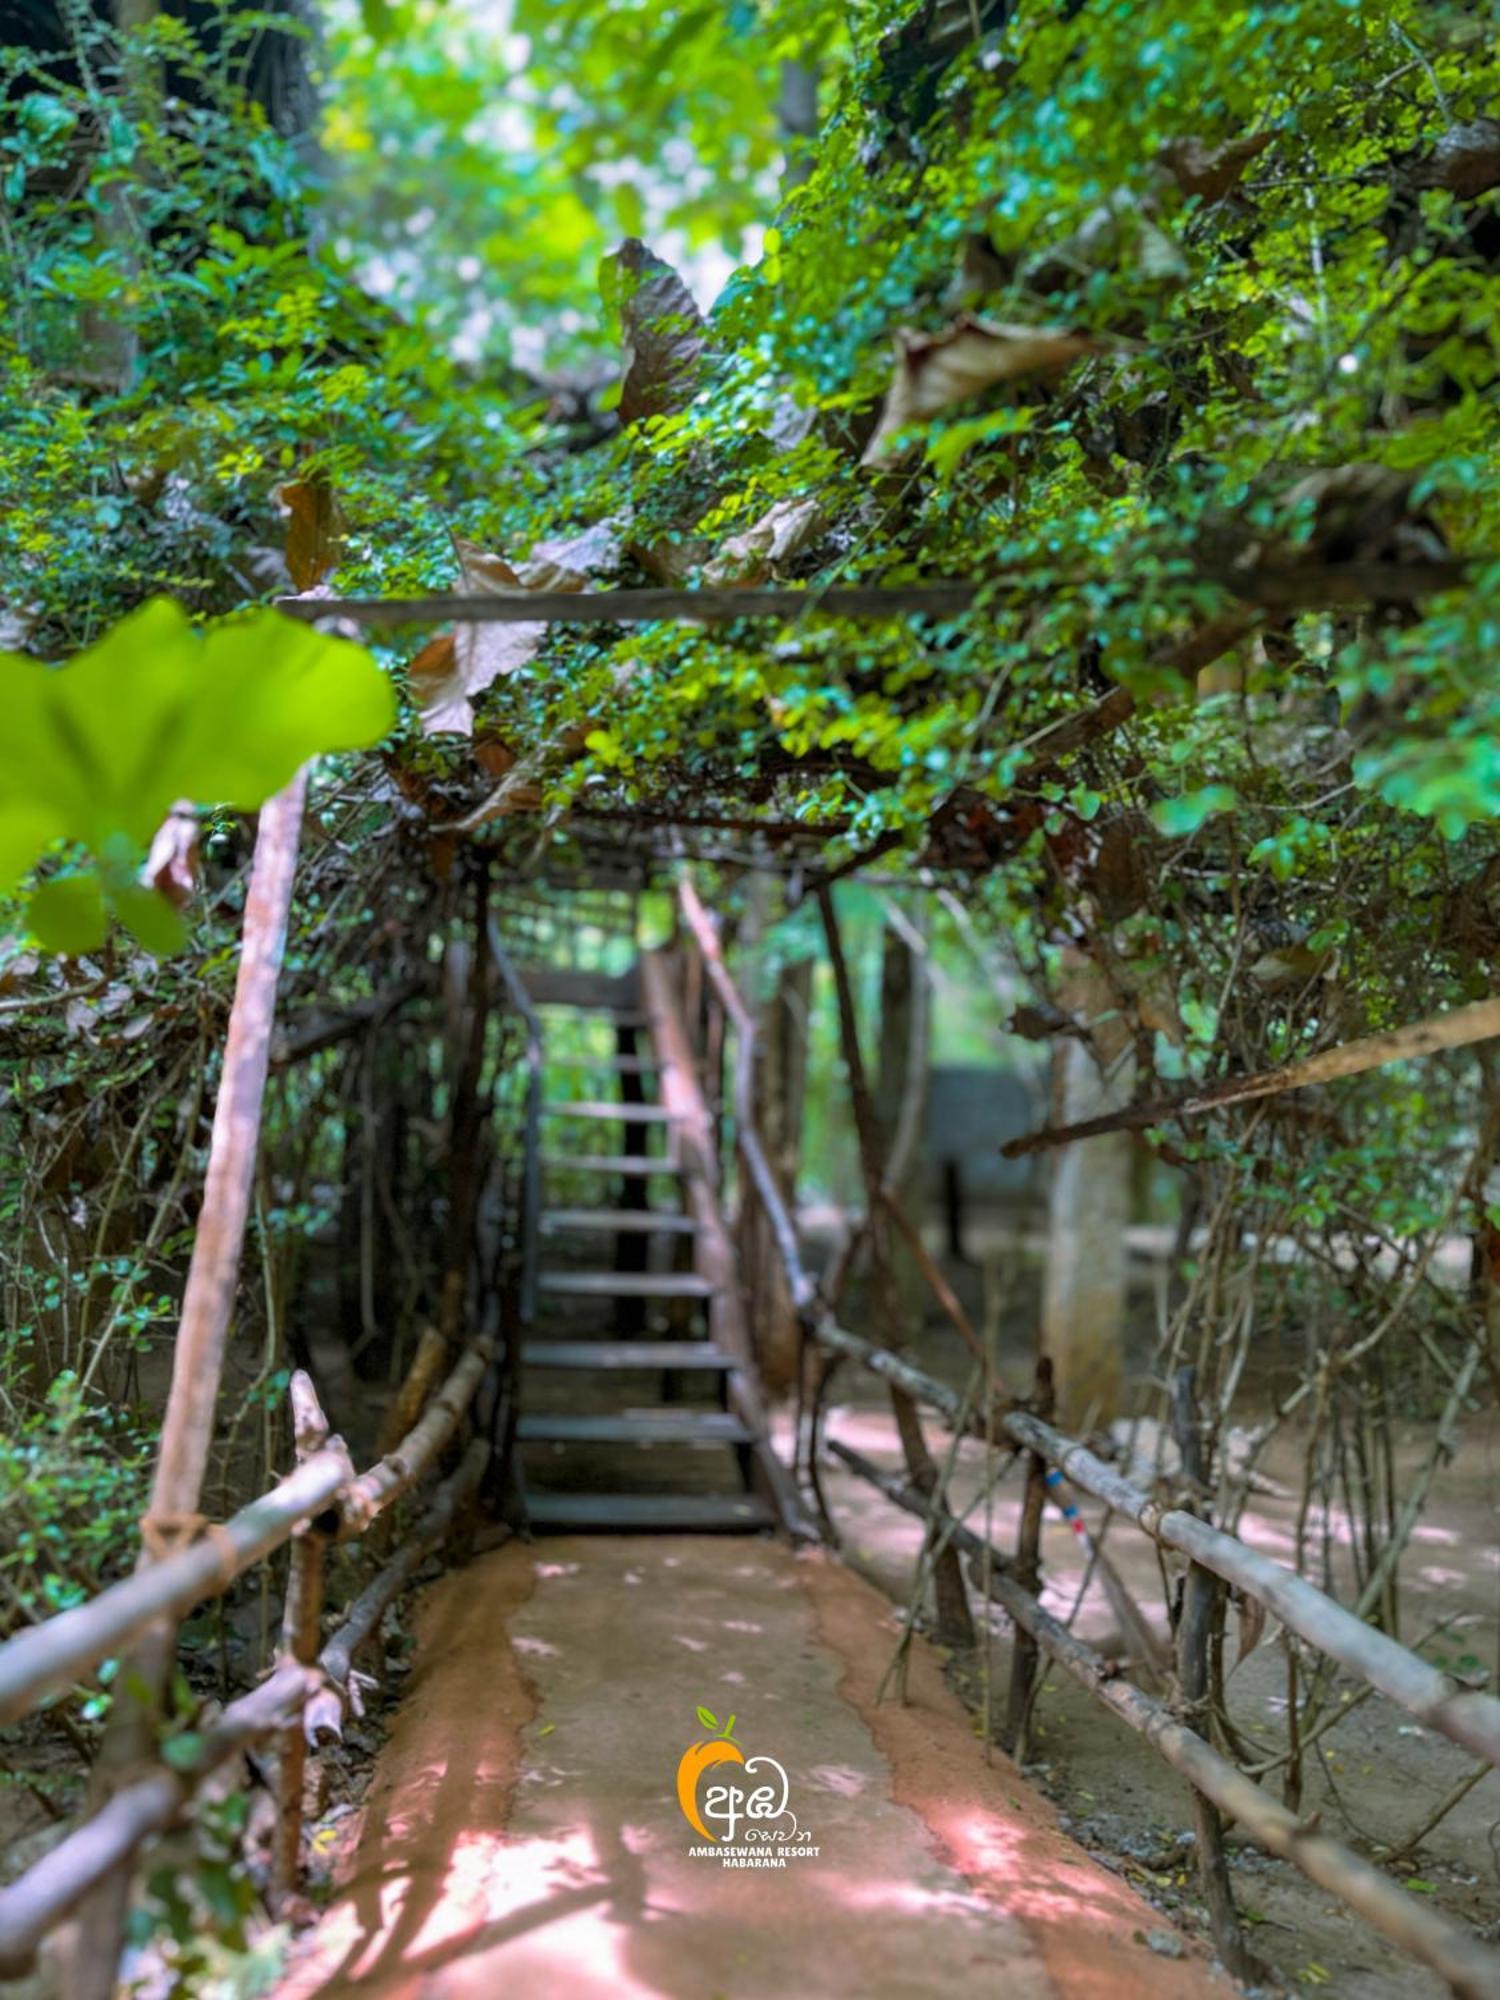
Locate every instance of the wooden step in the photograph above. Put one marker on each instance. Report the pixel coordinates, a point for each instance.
(623, 1065)
(635, 1166)
(649, 1513)
(619, 1114)
(613, 1354)
(670, 1426)
(618, 1221)
(626, 1285)
(613, 996)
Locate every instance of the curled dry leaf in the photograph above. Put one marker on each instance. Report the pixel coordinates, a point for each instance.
(665, 340)
(314, 532)
(673, 562)
(1211, 171)
(171, 865)
(494, 756)
(781, 533)
(934, 370)
(1465, 161)
(452, 669)
(521, 789)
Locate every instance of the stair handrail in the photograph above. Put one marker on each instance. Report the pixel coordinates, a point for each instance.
(804, 1291)
(531, 1146)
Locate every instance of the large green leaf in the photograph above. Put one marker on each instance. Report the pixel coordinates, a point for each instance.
(98, 751)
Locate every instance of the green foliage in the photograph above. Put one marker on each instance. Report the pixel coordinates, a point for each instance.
(71, 1494)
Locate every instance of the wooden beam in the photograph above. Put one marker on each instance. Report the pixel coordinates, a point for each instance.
(1276, 589)
(1458, 1029)
(642, 607)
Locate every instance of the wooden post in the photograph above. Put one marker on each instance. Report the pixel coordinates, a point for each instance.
(955, 1624)
(1200, 1599)
(1088, 1208)
(198, 1358)
(1027, 1571)
(300, 1640)
(466, 1129)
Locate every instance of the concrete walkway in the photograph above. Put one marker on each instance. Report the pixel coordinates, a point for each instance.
(523, 1835)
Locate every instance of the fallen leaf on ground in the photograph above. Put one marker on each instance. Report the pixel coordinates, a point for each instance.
(781, 533)
(1211, 171)
(934, 370)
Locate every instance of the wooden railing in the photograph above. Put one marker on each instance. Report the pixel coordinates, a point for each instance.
(1470, 1967)
(143, 1783)
(308, 1694)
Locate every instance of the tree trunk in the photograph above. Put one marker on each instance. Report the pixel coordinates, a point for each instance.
(900, 1096)
(1084, 1283)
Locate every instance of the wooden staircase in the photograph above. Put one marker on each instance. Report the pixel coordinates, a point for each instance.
(628, 1414)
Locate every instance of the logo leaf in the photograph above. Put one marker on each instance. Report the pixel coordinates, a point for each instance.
(707, 1717)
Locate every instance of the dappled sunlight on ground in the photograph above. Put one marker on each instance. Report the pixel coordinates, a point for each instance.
(523, 1833)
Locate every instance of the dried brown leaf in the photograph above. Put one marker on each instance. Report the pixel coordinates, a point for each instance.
(171, 865)
(1465, 161)
(665, 339)
(781, 533)
(935, 370)
(315, 529)
(494, 757)
(480, 654)
(572, 562)
(1211, 171)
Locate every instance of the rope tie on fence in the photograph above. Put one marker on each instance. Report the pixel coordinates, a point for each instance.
(163, 1534)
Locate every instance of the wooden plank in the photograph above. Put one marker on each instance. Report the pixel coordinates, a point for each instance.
(650, 1513)
(626, 1285)
(943, 599)
(619, 1113)
(640, 1221)
(648, 1427)
(623, 1065)
(603, 993)
(624, 1354)
(632, 1165)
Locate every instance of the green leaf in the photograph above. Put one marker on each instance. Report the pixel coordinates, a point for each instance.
(67, 914)
(182, 1751)
(1184, 815)
(150, 920)
(99, 750)
(709, 1720)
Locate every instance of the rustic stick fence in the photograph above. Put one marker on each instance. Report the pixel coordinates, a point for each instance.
(304, 1701)
(1470, 1967)
(137, 1791)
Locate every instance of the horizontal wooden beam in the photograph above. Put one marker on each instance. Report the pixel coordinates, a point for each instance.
(1458, 1029)
(642, 607)
(48, 1657)
(1273, 588)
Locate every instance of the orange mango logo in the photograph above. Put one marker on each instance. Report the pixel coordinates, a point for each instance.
(700, 1757)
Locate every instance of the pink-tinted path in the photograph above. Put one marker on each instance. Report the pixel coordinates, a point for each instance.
(522, 1835)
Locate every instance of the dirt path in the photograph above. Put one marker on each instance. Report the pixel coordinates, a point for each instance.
(522, 1834)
